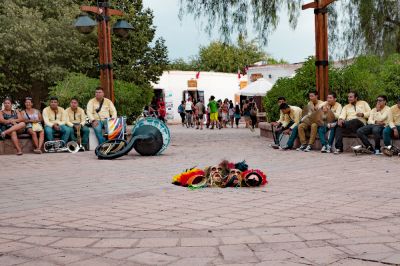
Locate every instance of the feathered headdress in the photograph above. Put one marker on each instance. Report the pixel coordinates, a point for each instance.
(182, 179)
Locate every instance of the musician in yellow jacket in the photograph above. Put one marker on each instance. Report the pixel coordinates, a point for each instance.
(55, 120)
(353, 116)
(98, 110)
(394, 125)
(76, 119)
(379, 118)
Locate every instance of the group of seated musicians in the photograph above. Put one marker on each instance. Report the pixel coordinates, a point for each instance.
(55, 119)
(322, 117)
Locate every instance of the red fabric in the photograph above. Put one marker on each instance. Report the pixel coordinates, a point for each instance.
(198, 75)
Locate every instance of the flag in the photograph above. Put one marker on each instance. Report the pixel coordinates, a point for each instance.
(246, 68)
(239, 74)
(198, 75)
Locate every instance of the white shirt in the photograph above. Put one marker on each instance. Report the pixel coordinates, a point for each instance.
(188, 106)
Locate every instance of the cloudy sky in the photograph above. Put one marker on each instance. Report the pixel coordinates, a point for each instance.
(183, 38)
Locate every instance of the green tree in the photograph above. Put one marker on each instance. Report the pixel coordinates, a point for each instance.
(367, 25)
(222, 57)
(39, 46)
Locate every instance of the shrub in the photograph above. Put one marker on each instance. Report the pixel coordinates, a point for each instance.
(370, 76)
(129, 98)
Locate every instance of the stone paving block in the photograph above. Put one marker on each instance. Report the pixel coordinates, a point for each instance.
(151, 258)
(158, 242)
(115, 243)
(199, 242)
(394, 259)
(40, 240)
(320, 255)
(66, 257)
(192, 262)
(189, 252)
(36, 252)
(74, 242)
(281, 238)
(369, 248)
(99, 261)
(7, 260)
(122, 253)
(238, 254)
(231, 240)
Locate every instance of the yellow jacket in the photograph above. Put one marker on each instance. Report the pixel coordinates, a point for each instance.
(349, 111)
(336, 109)
(78, 117)
(395, 116)
(50, 117)
(294, 116)
(384, 115)
(107, 110)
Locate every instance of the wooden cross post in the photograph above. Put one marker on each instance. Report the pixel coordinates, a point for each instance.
(104, 14)
(321, 44)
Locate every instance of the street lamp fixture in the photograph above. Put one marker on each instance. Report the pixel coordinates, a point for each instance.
(85, 24)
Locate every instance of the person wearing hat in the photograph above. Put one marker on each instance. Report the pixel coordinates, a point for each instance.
(394, 125)
(55, 119)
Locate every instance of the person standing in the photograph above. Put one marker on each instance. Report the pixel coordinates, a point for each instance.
(99, 109)
(76, 120)
(253, 114)
(213, 106)
(200, 110)
(11, 123)
(379, 118)
(237, 115)
(33, 120)
(394, 125)
(246, 114)
(189, 106)
(225, 113)
(55, 119)
(231, 113)
(353, 116)
(181, 111)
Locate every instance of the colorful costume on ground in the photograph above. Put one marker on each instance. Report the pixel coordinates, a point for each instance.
(225, 174)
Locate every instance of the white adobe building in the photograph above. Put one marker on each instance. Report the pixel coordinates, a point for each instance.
(175, 88)
(272, 72)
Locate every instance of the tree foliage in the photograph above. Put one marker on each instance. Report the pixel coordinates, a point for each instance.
(358, 25)
(222, 57)
(370, 76)
(40, 46)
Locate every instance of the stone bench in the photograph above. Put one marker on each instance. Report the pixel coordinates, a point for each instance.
(348, 140)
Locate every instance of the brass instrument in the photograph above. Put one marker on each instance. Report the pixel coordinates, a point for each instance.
(60, 146)
(79, 137)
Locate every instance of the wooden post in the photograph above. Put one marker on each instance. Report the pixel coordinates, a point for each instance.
(321, 45)
(104, 14)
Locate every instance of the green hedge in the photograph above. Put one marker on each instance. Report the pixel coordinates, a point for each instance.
(129, 98)
(370, 76)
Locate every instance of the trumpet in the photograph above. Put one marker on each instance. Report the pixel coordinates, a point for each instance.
(60, 146)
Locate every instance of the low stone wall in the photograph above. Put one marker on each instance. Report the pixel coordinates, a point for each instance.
(348, 141)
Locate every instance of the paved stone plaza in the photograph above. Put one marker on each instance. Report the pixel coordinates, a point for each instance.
(317, 209)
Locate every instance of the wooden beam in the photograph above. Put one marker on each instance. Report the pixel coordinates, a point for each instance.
(93, 9)
(114, 12)
(325, 3)
(310, 5)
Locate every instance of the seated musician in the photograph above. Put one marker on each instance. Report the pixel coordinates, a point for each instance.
(11, 123)
(99, 109)
(55, 120)
(76, 120)
(291, 120)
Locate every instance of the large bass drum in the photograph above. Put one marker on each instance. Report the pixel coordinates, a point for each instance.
(150, 137)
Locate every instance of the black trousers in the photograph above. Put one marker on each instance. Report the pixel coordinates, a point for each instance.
(183, 117)
(253, 120)
(350, 126)
(375, 130)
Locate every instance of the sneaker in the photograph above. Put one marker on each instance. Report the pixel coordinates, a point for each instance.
(274, 146)
(287, 148)
(323, 150)
(302, 147)
(328, 148)
(308, 148)
(378, 152)
(338, 151)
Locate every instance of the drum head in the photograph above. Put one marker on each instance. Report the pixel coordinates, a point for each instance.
(160, 126)
(148, 147)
